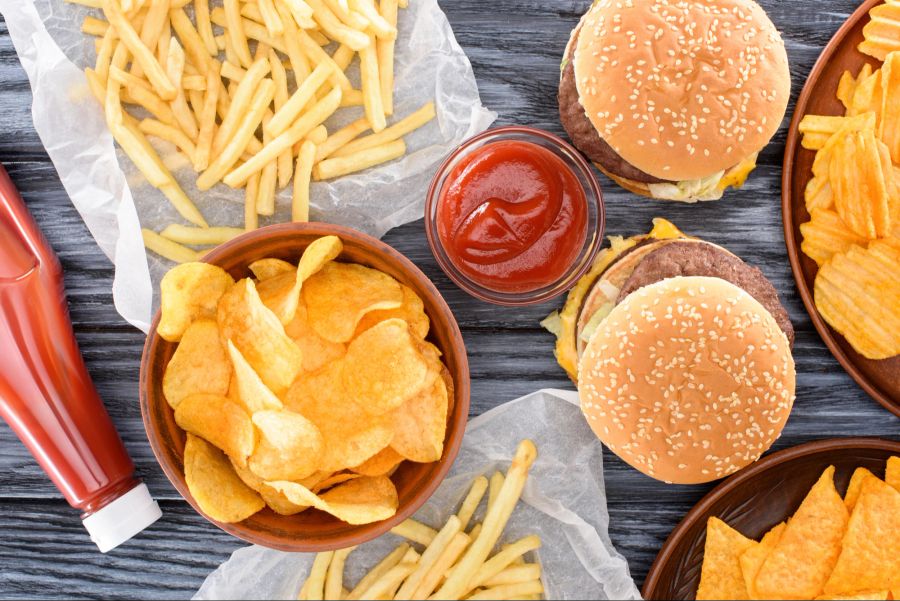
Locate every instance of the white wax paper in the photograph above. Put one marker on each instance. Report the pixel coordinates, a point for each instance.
(564, 502)
(114, 199)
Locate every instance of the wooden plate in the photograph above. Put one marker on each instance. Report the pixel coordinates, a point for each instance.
(881, 379)
(756, 499)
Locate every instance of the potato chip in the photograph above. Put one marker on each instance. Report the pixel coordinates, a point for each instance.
(317, 351)
(265, 269)
(361, 501)
(825, 235)
(383, 367)
(260, 337)
(198, 365)
(290, 446)
(318, 254)
(818, 194)
(219, 421)
(863, 595)
(867, 97)
(800, 563)
(332, 481)
(882, 33)
(421, 423)
(275, 500)
(412, 311)
(859, 476)
(721, 576)
(892, 473)
(351, 436)
(381, 464)
(870, 557)
(859, 186)
(845, 89)
(752, 559)
(338, 296)
(215, 486)
(250, 390)
(189, 292)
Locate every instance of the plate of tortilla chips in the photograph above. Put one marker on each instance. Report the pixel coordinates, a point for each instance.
(816, 521)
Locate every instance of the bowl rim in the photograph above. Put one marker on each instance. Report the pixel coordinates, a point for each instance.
(724, 488)
(593, 239)
(355, 535)
(792, 147)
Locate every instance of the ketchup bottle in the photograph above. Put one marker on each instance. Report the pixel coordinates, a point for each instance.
(46, 394)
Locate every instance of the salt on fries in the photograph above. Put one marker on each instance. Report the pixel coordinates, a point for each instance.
(243, 90)
(451, 555)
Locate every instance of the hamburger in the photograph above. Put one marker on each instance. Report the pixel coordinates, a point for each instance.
(681, 353)
(674, 99)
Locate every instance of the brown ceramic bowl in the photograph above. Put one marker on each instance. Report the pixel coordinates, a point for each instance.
(756, 499)
(881, 379)
(314, 531)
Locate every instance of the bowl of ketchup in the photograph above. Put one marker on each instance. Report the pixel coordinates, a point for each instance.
(515, 216)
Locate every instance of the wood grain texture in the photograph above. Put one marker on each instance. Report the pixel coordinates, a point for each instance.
(515, 48)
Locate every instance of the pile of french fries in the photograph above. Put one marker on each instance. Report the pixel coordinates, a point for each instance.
(454, 563)
(243, 90)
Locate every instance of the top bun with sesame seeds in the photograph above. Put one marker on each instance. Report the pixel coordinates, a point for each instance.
(688, 379)
(675, 98)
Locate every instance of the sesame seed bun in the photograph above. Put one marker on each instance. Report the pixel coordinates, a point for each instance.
(682, 89)
(688, 380)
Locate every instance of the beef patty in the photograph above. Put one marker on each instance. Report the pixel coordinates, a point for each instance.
(583, 133)
(694, 258)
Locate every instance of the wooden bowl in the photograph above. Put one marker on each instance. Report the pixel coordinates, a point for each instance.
(754, 500)
(312, 530)
(881, 379)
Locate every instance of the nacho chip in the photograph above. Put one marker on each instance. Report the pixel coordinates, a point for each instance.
(351, 436)
(219, 421)
(265, 269)
(215, 486)
(802, 560)
(382, 464)
(421, 423)
(753, 558)
(189, 292)
(317, 351)
(412, 311)
(260, 337)
(383, 367)
(290, 446)
(360, 501)
(275, 500)
(198, 365)
(250, 390)
(870, 557)
(338, 296)
(892, 473)
(825, 235)
(721, 576)
(859, 476)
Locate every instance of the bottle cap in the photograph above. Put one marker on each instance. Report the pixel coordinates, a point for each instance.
(123, 518)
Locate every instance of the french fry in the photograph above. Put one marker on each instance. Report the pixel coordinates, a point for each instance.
(251, 191)
(429, 557)
(193, 83)
(168, 249)
(268, 184)
(250, 29)
(194, 46)
(301, 11)
(175, 70)
(302, 177)
(243, 132)
(291, 110)
(129, 81)
(334, 579)
(458, 581)
(509, 591)
(504, 558)
(340, 138)
(440, 567)
(235, 30)
(88, 3)
(371, 87)
(515, 575)
(391, 560)
(232, 71)
(472, 500)
(240, 101)
(391, 579)
(204, 27)
(403, 3)
(154, 71)
(382, 28)
(385, 49)
(162, 45)
(315, 587)
(279, 76)
(352, 98)
(302, 126)
(104, 54)
(343, 56)
(299, 62)
(394, 132)
(151, 103)
(336, 167)
(170, 134)
(335, 29)
(415, 531)
(318, 135)
(94, 26)
(200, 236)
(271, 19)
(318, 56)
(155, 20)
(341, 8)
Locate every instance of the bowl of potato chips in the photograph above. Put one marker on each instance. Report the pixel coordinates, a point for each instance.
(305, 388)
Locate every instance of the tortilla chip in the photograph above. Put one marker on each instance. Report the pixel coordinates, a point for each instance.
(860, 475)
(804, 557)
(721, 576)
(754, 557)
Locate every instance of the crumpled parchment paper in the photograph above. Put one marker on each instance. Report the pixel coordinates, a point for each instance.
(564, 502)
(115, 201)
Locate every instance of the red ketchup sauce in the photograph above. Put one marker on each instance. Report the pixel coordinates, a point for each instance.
(512, 217)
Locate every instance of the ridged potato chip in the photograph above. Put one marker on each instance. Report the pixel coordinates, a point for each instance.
(219, 421)
(721, 576)
(198, 365)
(382, 464)
(290, 446)
(189, 292)
(826, 234)
(881, 35)
(846, 88)
(383, 367)
(420, 424)
(338, 296)
(275, 500)
(412, 311)
(361, 501)
(317, 351)
(215, 486)
(800, 563)
(260, 337)
(753, 558)
(892, 473)
(265, 269)
(350, 434)
(250, 390)
(859, 186)
(859, 476)
(861, 596)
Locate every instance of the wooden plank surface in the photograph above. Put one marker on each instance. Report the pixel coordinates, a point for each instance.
(515, 48)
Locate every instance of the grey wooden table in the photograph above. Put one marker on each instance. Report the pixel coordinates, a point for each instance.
(515, 48)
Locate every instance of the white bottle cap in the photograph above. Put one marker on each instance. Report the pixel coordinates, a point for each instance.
(123, 518)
